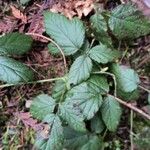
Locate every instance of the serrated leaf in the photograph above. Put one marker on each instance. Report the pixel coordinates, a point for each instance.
(59, 90)
(111, 112)
(97, 124)
(94, 143)
(127, 79)
(72, 115)
(126, 22)
(103, 54)
(74, 140)
(12, 71)
(69, 34)
(80, 69)
(56, 136)
(41, 106)
(98, 83)
(99, 26)
(87, 96)
(15, 44)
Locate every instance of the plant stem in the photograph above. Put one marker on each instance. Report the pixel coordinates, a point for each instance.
(143, 88)
(50, 40)
(32, 82)
(131, 129)
(129, 105)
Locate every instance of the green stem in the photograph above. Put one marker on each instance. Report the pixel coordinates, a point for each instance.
(32, 82)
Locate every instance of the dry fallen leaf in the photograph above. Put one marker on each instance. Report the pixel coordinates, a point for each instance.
(18, 14)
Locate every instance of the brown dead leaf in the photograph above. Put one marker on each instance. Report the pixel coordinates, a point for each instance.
(73, 8)
(18, 14)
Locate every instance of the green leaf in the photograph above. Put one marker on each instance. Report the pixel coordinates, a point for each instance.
(59, 90)
(87, 96)
(103, 54)
(126, 22)
(99, 26)
(72, 115)
(80, 69)
(56, 136)
(111, 112)
(23, 2)
(98, 83)
(128, 96)
(127, 79)
(97, 124)
(93, 144)
(12, 71)
(69, 34)
(15, 44)
(41, 106)
(74, 140)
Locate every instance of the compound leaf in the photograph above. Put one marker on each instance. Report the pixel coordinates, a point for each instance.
(15, 44)
(126, 22)
(111, 112)
(87, 96)
(103, 54)
(12, 71)
(80, 69)
(41, 106)
(69, 34)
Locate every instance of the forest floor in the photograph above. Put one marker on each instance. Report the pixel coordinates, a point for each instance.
(17, 127)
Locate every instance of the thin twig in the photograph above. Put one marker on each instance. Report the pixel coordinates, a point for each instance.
(142, 113)
(32, 82)
(131, 129)
(143, 88)
(50, 40)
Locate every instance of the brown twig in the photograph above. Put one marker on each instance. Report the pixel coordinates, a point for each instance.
(132, 107)
(50, 40)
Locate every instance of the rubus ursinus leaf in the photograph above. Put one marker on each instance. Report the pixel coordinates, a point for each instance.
(111, 112)
(12, 71)
(54, 141)
(98, 83)
(86, 98)
(69, 34)
(72, 115)
(15, 44)
(103, 54)
(127, 79)
(126, 22)
(41, 106)
(99, 27)
(74, 140)
(80, 69)
(94, 143)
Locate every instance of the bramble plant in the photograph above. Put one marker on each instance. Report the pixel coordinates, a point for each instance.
(83, 104)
